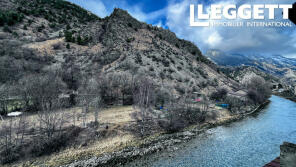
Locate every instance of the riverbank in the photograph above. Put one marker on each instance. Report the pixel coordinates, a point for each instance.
(289, 96)
(158, 142)
(114, 143)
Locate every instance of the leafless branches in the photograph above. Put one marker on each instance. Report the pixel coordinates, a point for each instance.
(144, 100)
(12, 135)
(258, 89)
(144, 97)
(4, 98)
(41, 90)
(90, 94)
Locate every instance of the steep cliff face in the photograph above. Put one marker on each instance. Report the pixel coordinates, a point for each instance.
(58, 34)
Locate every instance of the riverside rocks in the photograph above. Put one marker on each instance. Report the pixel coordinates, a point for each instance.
(165, 141)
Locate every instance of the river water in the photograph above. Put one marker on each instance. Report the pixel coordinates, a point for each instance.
(251, 142)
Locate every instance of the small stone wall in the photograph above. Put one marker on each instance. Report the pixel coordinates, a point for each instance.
(288, 155)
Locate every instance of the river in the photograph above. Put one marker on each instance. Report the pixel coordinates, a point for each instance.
(251, 142)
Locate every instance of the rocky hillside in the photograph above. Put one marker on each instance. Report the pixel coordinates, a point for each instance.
(55, 34)
(240, 73)
(275, 65)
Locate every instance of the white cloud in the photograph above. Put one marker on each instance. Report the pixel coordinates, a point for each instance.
(231, 39)
(214, 39)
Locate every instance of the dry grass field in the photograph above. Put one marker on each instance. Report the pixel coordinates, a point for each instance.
(112, 134)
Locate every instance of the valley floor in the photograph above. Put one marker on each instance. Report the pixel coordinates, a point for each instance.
(116, 133)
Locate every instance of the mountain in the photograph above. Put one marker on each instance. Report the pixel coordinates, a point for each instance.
(240, 72)
(56, 34)
(276, 65)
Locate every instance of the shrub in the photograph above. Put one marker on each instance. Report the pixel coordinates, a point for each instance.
(180, 89)
(68, 36)
(192, 115)
(9, 155)
(7, 29)
(15, 34)
(138, 59)
(108, 58)
(255, 96)
(220, 94)
(44, 146)
(171, 70)
(203, 84)
(129, 40)
(234, 103)
(86, 40)
(68, 27)
(165, 62)
(130, 25)
(10, 18)
(202, 73)
(179, 116)
(52, 25)
(79, 40)
(30, 21)
(56, 46)
(173, 125)
(151, 68)
(40, 28)
(258, 90)
(162, 96)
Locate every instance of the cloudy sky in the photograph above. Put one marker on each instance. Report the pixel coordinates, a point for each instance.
(174, 15)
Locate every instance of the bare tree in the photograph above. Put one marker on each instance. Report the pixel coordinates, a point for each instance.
(44, 91)
(234, 103)
(91, 97)
(41, 90)
(25, 89)
(4, 99)
(125, 85)
(22, 126)
(180, 114)
(71, 75)
(220, 94)
(144, 99)
(7, 142)
(97, 105)
(258, 89)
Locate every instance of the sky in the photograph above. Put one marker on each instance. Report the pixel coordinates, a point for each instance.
(174, 15)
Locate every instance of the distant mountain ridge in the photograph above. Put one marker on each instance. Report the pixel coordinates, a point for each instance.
(276, 65)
